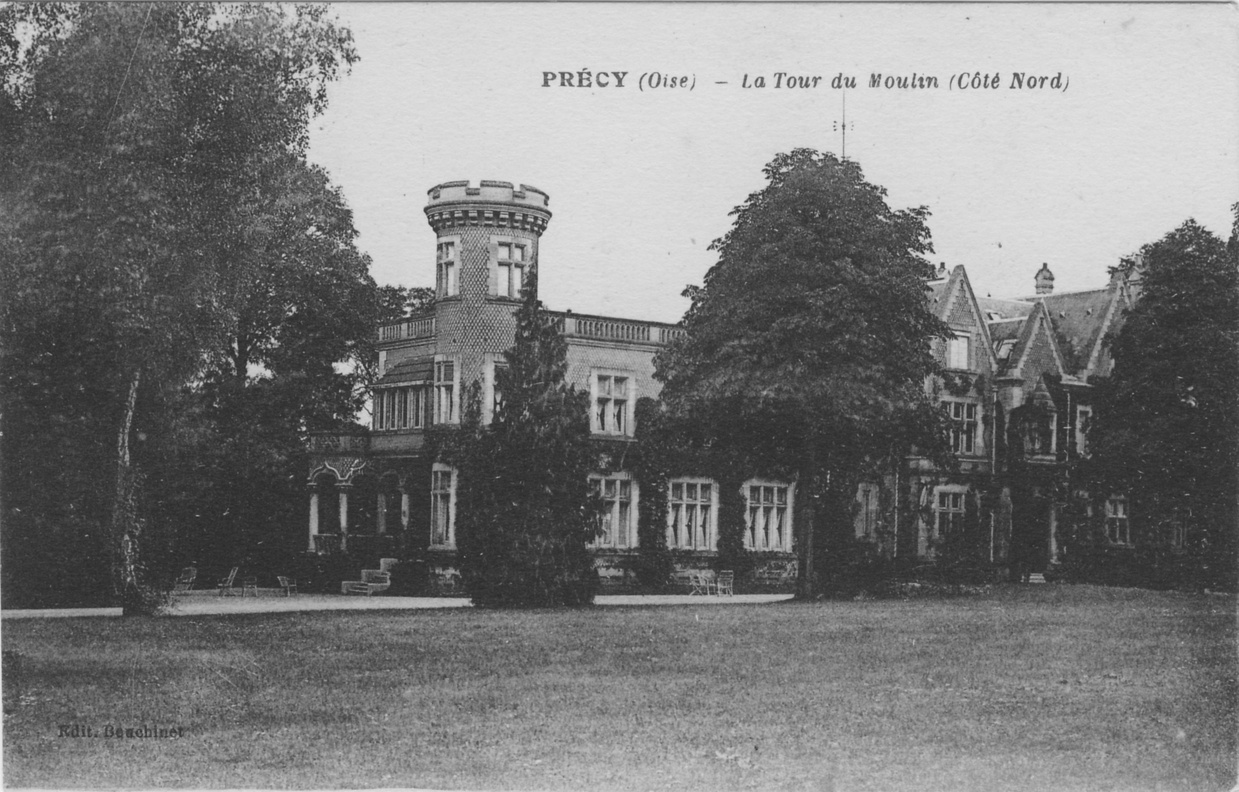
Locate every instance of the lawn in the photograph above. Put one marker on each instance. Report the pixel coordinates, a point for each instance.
(1034, 687)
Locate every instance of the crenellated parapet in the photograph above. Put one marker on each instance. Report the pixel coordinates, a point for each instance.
(495, 204)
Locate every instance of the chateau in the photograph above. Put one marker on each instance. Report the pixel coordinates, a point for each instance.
(1018, 399)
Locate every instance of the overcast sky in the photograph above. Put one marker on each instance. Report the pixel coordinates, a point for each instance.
(1145, 135)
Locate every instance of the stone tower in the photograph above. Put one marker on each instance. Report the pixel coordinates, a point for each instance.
(486, 241)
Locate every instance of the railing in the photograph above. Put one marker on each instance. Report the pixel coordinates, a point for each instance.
(422, 327)
(610, 329)
(326, 543)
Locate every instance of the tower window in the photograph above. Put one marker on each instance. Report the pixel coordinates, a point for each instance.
(511, 264)
(447, 272)
(445, 391)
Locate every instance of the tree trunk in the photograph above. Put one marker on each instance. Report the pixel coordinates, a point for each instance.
(806, 519)
(125, 527)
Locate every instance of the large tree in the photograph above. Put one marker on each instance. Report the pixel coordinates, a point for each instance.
(809, 342)
(1166, 426)
(525, 514)
(162, 229)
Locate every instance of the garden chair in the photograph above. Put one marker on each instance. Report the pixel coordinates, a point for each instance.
(287, 584)
(186, 580)
(249, 584)
(723, 583)
(701, 584)
(225, 583)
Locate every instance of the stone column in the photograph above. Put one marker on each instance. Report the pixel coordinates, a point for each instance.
(381, 526)
(343, 489)
(313, 518)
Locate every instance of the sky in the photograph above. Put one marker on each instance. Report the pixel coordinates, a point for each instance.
(1140, 133)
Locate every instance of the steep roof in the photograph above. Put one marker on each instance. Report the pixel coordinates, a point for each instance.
(1035, 351)
(954, 302)
(1080, 321)
(937, 295)
(996, 309)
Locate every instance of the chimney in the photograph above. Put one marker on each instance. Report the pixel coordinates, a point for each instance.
(1044, 279)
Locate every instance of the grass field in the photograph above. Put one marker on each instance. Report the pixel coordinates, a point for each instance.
(1035, 687)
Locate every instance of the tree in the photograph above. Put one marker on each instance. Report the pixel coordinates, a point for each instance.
(525, 514)
(154, 171)
(1166, 425)
(808, 346)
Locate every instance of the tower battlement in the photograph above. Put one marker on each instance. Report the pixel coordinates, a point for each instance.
(491, 203)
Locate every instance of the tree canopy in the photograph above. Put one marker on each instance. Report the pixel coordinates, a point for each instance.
(525, 514)
(1166, 427)
(808, 344)
(166, 236)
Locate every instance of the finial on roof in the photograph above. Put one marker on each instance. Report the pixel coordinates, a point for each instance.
(1044, 279)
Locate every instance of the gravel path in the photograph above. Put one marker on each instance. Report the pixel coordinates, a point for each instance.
(204, 603)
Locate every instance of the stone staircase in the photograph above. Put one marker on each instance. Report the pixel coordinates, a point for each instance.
(1036, 577)
(373, 581)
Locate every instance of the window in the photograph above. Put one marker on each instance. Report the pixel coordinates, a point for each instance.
(957, 353)
(511, 266)
(690, 514)
(445, 391)
(496, 392)
(442, 506)
(617, 516)
(948, 512)
(768, 524)
(1118, 529)
(447, 272)
(378, 413)
(963, 427)
(1084, 416)
(415, 414)
(1178, 534)
(1039, 433)
(867, 518)
(613, 399)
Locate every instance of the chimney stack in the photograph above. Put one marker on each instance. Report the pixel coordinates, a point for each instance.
(1044, 279)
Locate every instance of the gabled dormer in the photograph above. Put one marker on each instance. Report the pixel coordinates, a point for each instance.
(1029, 352)
(954, 302)
(1081, 320)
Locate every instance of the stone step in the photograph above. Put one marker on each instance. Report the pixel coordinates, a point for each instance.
(1036, 577)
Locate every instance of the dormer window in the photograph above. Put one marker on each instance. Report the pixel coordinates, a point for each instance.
(511, 268)
(447, 272)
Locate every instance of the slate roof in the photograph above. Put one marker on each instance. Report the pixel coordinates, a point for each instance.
(1004, 329)
(1080, 319)
(1007, 309)
(937, 295)
(412, 370)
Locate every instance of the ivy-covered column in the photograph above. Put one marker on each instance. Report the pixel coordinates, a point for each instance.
(313, 517)
(343, 490)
